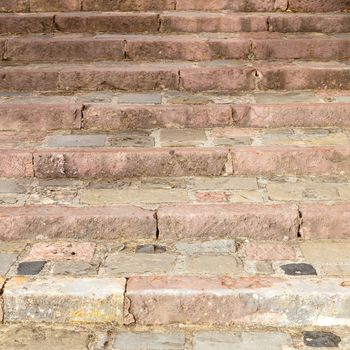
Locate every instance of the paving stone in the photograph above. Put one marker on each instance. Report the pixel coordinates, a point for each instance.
(243, 196)
(120, 263)
(150, 249)
(6, 261)
(150, 98)
(62, 251)
(299, 269)
(213, 197)
(30, 267)
(225, 183)
(321, 339)
(241, 341)
(268, 251)
(18, 337)
(258, 267)
(64, 300)
(211, 264)
(214, 246)
(334, 269)
(149, 341)
(12, 186)
(109, 196)
(183, 137)
(326, 252)
(131, 139)
(76, 140)
(73, 268)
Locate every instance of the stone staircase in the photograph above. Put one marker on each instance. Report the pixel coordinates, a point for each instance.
(175, 174)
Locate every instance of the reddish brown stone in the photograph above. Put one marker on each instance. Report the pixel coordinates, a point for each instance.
(88, 223)
(321, 221)
(128, 5)
(291, 160)
(304, 76)
(217, 221)
(129, 117)
(296, 114)
(26, 23)
(14, 6)
(64, 49)
(211, 197)
(120, 163)
(113, 22)
(15, 163)
(221, 78)
(318, 5)
(39, 117)
(268, 251)
(54, 5)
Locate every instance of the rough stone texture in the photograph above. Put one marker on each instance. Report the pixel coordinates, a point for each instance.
(240, 341)
(15, 163)
(54, 5)
(321, 339)
(268, 251)
(63, 222)
(228, 221)
(325, 221)
(128, 5)
(213, 246)
(300, 269)
(249, 301)
(318, 5)
(61, 250)
(324, 252)
(13, 6)
(118, 163)
(149, 341)
(180, 137)
(64, 300)
(6, 261)
(30, 268)
(76, 140)
(39, 117)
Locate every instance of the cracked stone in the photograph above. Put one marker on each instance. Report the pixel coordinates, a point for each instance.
(321, 339)
(299, 269)
(30, 267)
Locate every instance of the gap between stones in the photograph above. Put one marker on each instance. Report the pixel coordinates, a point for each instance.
(2, 320)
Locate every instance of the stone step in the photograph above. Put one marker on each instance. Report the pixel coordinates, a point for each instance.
(223, 76)
(221, 283)
(172, 22)
(255, 46)
(172, 109)
(161, 5)
(176, 152)
(175, 208)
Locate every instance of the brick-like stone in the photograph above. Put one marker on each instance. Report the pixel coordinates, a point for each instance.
(251, 301)
(61, 251)
(39, 117)
(149, 341)
(107, 22)
(64, 300)
(73, 268)
(14, 6)
(318, 5)
(213, 246)
(54, 5)
(16, 164)
(76, 140)
(26, 23)
(268, 251)
(27, 268)
(119, 117)
(325, 252)
(228, 221)
(120, 163)
(128, 5)
(241, 341)
(64, 222)
(321, 221)
(222, 78)
(182, 137)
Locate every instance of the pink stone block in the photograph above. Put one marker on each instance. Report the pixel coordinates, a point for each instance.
(268, 251)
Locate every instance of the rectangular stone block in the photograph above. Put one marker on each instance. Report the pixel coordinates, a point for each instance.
(250, 301)
(54, 5)
(64, 300)
(128, 5)
(318, 5)
(107, 22)
(14, 6)
(128, 117)
(120, 163)
(63, 222)
(212, 221)
(322, 221)
(26, 23)
(16, 163)
(39, 117)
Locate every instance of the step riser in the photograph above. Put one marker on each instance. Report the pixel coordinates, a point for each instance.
(192, 79)
(183, 221)
(168, 23)
(106, 49)
(146, 5)
(123, 163)
(105, 117)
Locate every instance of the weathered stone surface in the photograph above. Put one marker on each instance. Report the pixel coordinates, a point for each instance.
(62, 251)
(28, 268)
(213, 246)
(64, 300)
(318, 5)
(228, 221)
(6, 261)
(64, 222)
(156, 300)
(128, 5)
(73, 268)
(76, 140)
(54, 5)
(15, 163)
(321, 339)
(268, 251)
(182, 137)
(240, 341)
(131, 139)
(301, 269)
(149, 341)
